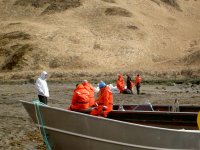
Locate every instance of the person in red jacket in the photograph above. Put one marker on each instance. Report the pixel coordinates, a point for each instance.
(104, 103)
(90, 89)
(120, 83)
(80, 99)
(138, 80)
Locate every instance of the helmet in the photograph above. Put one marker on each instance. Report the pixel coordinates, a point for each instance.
(102, 84)
(43, 75)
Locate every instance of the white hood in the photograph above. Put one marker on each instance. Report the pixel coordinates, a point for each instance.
(41, 85)
(43, 74)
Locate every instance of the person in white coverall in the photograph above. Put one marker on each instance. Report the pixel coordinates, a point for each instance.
(42, 87)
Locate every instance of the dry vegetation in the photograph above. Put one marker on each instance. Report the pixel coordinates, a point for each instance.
(96, 39)
(51, 6)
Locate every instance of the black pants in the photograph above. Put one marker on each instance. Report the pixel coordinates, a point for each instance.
(42, 99)
(138, 89)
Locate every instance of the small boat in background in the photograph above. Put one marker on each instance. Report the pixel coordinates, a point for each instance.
(71, 130)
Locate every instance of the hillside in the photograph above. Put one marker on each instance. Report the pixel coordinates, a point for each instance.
(71, 38)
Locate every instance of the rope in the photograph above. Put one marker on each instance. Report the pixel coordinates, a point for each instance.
(40, 121)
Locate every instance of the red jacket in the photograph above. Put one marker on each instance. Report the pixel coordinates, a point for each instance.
(120, 83)
(138, 79)
(80, 98)
(104, 101)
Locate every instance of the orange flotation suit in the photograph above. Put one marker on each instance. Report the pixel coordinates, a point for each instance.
(90, 89)
(104, 102)
(120, 83)
(80, 99)
(138, 79)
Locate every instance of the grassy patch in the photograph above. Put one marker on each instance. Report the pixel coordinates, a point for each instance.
(172, 3)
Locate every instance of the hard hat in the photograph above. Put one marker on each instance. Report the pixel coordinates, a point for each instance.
(102, 84)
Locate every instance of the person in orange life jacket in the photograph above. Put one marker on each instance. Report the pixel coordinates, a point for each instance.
(129, 83)
(80, 99)
(90, 89)
(104, 102)
(138, 80)
(120, 83)
(42, 87)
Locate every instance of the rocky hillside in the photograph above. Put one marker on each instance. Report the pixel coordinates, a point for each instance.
(99, 36)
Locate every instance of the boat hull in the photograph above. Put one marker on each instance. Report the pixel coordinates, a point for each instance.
(156, 115)
(76, 131)
(173, 120)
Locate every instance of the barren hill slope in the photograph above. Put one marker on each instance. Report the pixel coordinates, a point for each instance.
(94, 36)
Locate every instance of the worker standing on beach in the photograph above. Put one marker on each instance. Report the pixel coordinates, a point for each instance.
(104, 103)
(42, 87)
(120, 83)
(138, 80)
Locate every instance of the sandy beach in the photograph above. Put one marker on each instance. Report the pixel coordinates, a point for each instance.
(18, 132)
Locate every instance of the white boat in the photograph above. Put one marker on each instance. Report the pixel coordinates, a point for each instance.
(77, 131)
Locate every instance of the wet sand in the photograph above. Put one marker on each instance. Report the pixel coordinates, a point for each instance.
(18, 132)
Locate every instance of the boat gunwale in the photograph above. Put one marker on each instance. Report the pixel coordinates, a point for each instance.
(112, 120)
